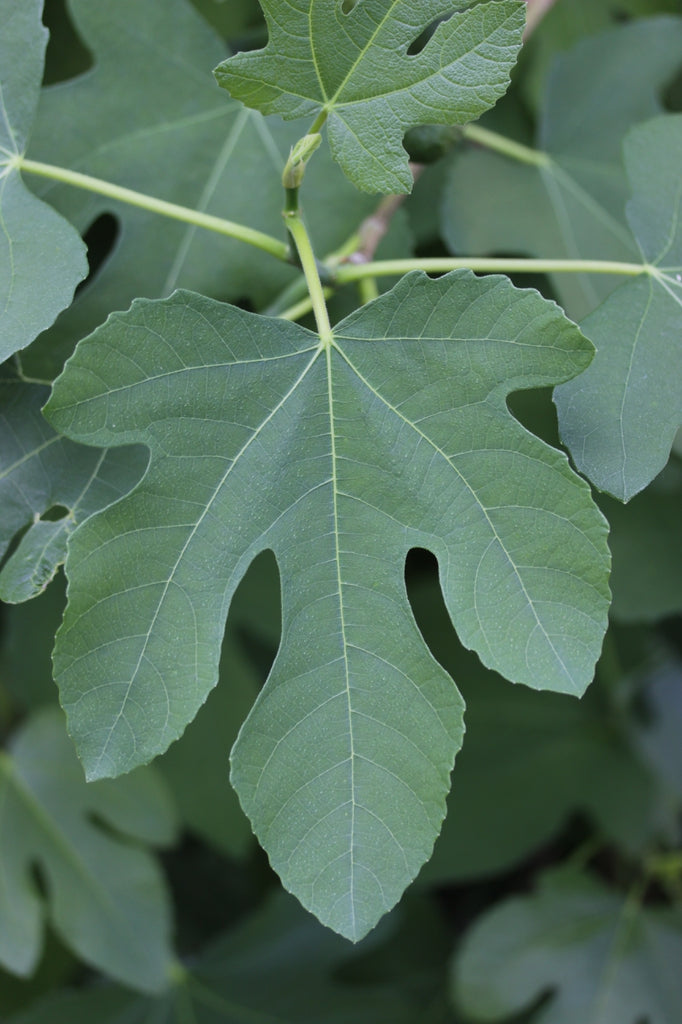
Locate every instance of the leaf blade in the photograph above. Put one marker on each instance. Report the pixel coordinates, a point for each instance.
(344, 454)
(34, 239)
(320, 60)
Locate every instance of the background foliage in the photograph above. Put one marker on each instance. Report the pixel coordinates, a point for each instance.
(555, 889)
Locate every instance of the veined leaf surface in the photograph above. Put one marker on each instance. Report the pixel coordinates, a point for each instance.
(570, 204)
(619, 420)
(354, 67)
(35, 242)
(340, 458)
(39, 470)
(150, 117)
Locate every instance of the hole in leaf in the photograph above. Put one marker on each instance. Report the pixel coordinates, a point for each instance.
(347, 6)
(67, 56)
(55, 513)
(418, 44)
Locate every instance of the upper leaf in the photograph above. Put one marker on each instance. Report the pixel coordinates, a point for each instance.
(149, 116)
(340, 459)
(602, 957)
(105, 897)
(620, 418)
(354, 68)
(570, 204)
(36, 245)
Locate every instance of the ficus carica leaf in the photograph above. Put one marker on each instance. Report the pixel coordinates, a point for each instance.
(340, 456)
(352, 67)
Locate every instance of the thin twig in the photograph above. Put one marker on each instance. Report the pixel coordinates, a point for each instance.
(374, 227)
(536, 10)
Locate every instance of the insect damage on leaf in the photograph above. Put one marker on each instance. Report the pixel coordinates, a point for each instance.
(352, 68)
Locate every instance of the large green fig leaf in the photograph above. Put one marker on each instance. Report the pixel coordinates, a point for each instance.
(42, 473)
(352, 67)
(339, 457)
(36, 244)
(620, 419)
(604, 958)
(567, 200)
(104, 894)
(149, 116)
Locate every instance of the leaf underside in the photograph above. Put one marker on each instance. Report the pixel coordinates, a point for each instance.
(105, 896)
(354, 67)
(41, 471)
(340, 460)
(164, 128)
(574, 206)
(620, 419)
(35, 242)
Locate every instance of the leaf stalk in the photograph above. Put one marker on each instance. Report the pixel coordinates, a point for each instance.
(443, 264)
(219, 225)
(299, 234)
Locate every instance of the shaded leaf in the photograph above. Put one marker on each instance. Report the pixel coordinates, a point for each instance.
(571, 205)
(104, 896)
(26, 647)
(278, 967)
(353, 67)
(149, 116)
(35, 242)
(340, 459)
(532, 760)
(620, 420)
(602, 956)
(646, 544)
(41, 471)
(563, 25)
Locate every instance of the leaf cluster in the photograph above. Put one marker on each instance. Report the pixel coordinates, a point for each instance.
(295, 484)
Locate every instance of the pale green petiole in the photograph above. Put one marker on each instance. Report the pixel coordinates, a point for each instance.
(219, 225)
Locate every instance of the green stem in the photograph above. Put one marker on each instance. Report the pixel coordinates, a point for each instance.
(441, 265)
(505, 146)
(368, 290)
(298, 232)
(182, 213)
(300, 309)
(318, 122)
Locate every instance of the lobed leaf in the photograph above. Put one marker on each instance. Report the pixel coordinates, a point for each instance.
(353, 67)
(35, 242)
(601, 957)
(105, 897)
(570, 204)
(620, 419)
(41, 472)
(339, 459)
